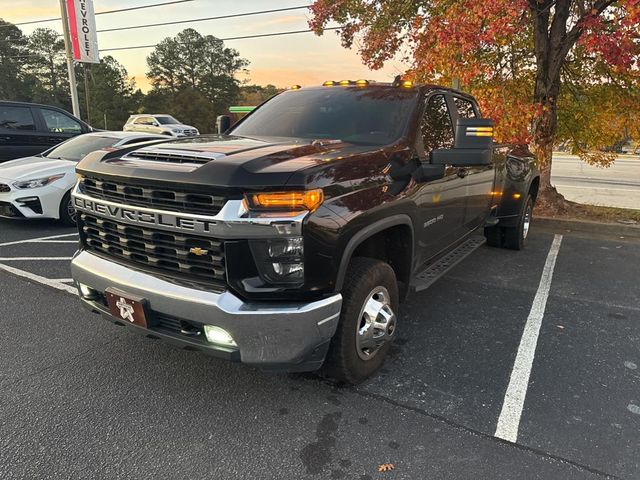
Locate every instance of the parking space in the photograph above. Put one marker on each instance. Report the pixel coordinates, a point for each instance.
(140, 408)
(39, 251)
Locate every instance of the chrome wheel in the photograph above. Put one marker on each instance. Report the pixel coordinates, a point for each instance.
(376, 324)
(527, 220)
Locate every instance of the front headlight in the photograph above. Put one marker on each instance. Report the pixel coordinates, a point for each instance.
(176, 130)
(295, 201)
(37, 182)
(280, 261)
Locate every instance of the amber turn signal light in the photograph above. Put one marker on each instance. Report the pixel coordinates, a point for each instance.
(285, 201)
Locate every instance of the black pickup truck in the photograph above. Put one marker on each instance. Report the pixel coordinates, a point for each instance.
(289, 241)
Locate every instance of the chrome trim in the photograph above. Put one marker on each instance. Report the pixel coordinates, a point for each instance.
(266, 332)
(229, 222)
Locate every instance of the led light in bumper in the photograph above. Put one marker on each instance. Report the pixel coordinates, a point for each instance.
(219, 336)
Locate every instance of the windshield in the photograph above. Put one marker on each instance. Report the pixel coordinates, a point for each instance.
(167, 120)
(371, 116)
(78, 147)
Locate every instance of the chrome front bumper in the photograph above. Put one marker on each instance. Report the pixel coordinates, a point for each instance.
(280, 336)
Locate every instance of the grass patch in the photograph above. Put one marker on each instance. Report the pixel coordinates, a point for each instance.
(558, 207)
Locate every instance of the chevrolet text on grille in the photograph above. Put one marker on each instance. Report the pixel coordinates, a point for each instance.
(229, 222)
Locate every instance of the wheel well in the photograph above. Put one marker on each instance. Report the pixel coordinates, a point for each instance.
(394, 246)
(533, 189)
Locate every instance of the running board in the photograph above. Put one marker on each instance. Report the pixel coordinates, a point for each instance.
(436, 270)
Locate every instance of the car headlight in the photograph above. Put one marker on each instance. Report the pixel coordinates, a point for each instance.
(176, 130)
(294, 201)
(37, 182)
(280, 261)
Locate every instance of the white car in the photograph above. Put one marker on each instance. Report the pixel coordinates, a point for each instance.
(40, 186)
(160, 124)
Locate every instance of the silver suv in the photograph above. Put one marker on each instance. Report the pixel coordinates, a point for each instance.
(159, 124)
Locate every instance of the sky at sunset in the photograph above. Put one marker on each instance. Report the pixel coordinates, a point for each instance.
(303, 59)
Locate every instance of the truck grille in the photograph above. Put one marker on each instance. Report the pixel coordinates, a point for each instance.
(167, 252)
(190, 133)
(172, 199)
(4, 188)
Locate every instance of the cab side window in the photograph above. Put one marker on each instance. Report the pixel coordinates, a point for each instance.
(59, 122)
(465, 108)
(436, 125)
(16, 118)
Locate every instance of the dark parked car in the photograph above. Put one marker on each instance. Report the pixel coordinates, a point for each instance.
(27, 129)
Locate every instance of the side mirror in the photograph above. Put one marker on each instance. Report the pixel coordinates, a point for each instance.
(473, 144)
(223, 123)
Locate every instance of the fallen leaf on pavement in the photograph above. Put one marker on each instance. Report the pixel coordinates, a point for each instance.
(385, 467)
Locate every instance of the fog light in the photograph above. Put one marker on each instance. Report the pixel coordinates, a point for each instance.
(219, 336)
(86, 291)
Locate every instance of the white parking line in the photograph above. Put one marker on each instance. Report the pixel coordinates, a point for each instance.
(509, 420)
(39, 279)
(56, 241)
(6, 259)
(36, 240)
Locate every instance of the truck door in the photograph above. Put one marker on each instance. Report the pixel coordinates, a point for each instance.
(442, 203)
(479, 179)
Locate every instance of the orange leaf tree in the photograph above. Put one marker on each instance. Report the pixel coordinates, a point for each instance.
(529, 62)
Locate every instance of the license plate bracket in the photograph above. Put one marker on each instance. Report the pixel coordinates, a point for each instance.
(126, 307)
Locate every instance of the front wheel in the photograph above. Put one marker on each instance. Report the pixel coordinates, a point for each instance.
(67, 210)
(367, 322)
(516, 237)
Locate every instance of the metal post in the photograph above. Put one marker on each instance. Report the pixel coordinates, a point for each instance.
(67, 45)
(86, 91)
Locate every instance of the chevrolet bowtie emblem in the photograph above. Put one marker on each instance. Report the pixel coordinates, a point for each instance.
(198, 251)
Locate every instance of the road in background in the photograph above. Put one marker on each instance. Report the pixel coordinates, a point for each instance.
(616, 186)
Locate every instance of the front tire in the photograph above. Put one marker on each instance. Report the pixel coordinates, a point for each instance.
(67, 211)
(515, 237)
(367, 322)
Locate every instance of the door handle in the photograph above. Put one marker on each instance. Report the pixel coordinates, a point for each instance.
(462, 172)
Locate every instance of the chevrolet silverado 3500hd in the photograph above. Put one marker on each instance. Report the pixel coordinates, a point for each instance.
(289, 241)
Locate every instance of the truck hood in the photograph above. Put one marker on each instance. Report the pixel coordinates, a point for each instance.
(223, 161)
(34, 167)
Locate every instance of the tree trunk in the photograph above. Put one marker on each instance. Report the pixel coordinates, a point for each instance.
(544, 135)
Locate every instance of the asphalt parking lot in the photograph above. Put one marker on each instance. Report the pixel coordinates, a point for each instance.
(83, 398)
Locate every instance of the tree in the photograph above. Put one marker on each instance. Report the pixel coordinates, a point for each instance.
(199, 63)
(256, 94)
(46, 65)
(527, 61)
(111, 93)
(13, 54)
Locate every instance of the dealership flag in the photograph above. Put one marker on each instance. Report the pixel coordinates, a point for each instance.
(82, 26)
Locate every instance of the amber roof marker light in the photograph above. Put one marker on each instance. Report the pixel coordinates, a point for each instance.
(329, 83)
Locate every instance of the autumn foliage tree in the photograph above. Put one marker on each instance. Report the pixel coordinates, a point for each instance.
(529, 62)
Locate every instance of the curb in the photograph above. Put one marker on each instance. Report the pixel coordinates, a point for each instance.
(588, 226)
